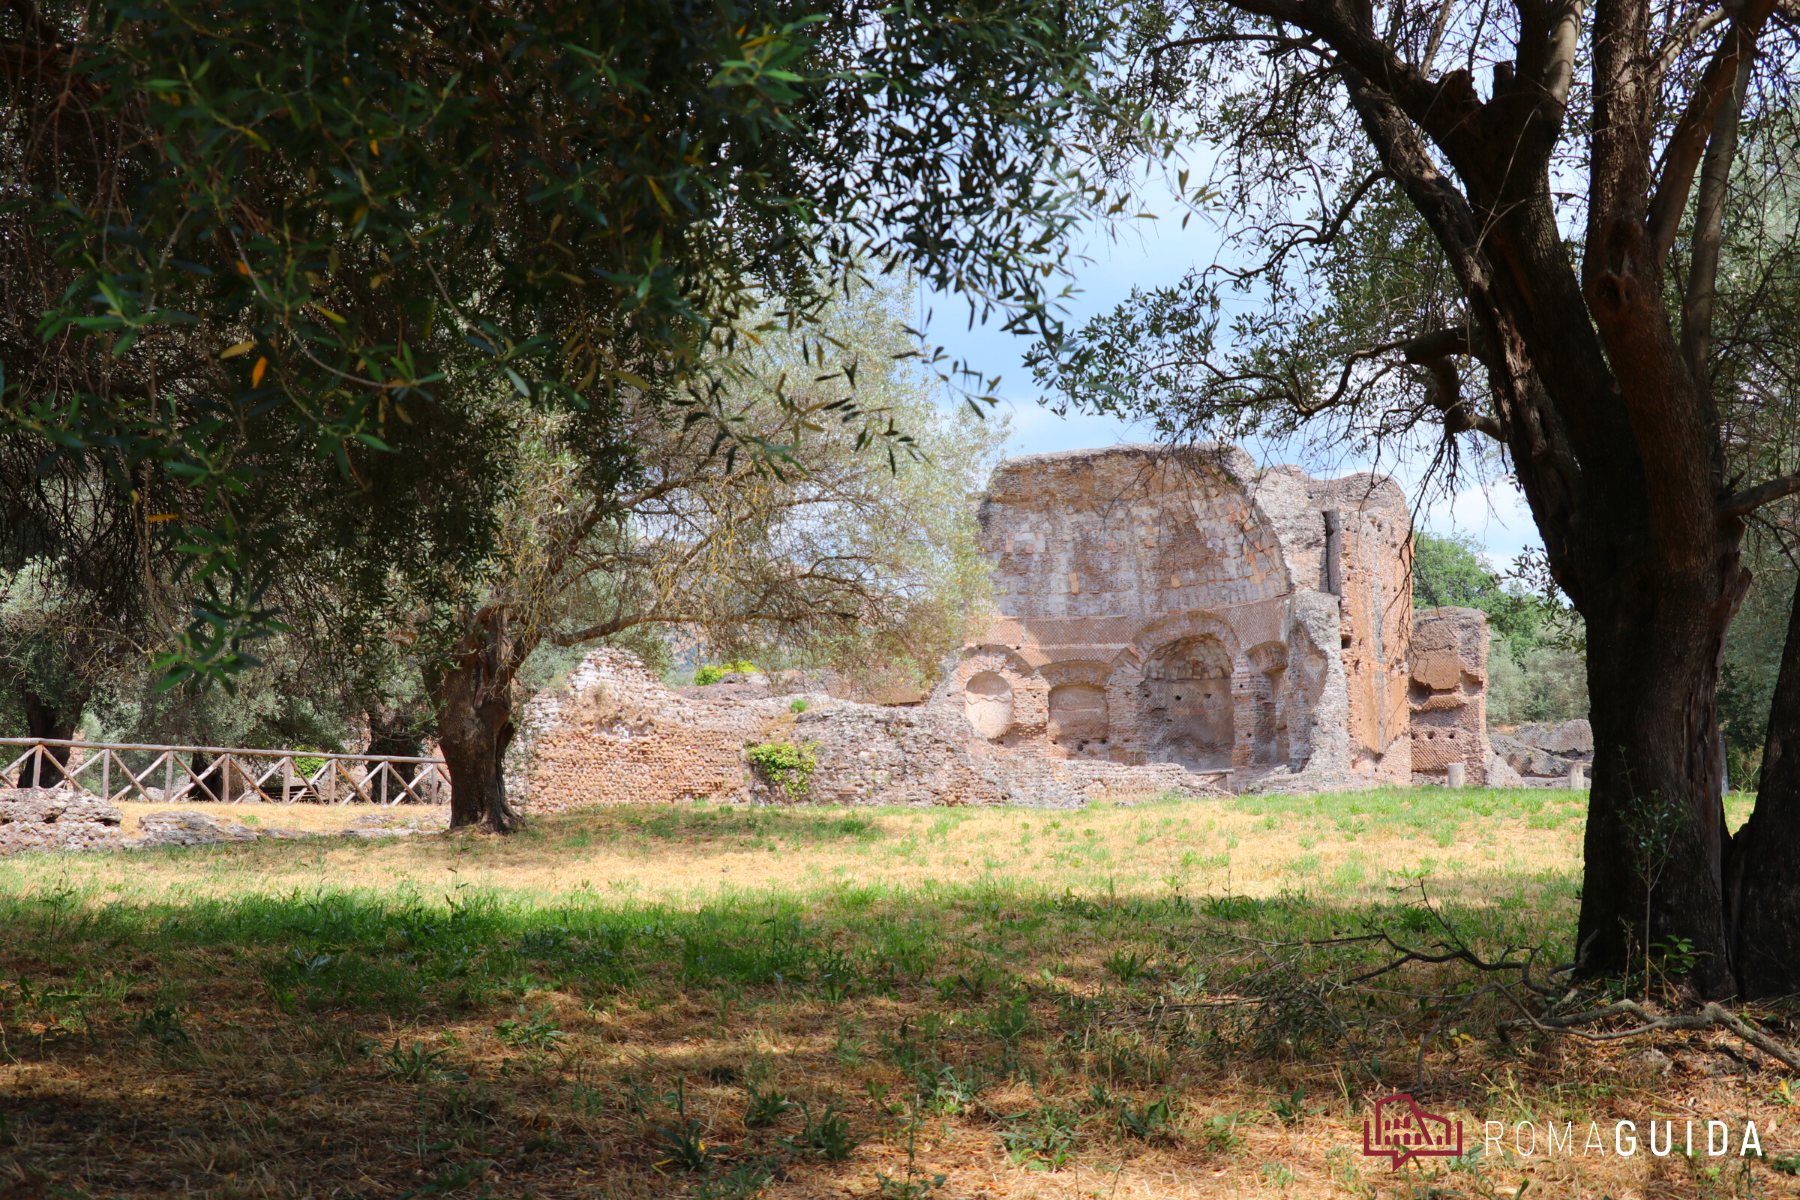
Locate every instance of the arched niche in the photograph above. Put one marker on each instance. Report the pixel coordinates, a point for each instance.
(988, 703)
(1269, 734)
(1187, 686)
(1078, 717)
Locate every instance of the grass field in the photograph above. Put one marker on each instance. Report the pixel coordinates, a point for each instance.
(1155, 1000)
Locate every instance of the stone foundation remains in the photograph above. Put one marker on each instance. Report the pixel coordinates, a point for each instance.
(615, 734)
(1546, 755)
(56, 819)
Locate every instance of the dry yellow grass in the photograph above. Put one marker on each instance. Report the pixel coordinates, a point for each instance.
(690, 854)
(235, 1021)
(305, 818)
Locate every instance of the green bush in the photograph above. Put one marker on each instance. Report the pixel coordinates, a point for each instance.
(784, 765)
(706, 675)
(798, 706)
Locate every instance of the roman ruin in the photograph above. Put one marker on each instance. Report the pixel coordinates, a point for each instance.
(1162, 619)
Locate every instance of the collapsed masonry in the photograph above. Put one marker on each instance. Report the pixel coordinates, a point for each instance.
(1164, 620)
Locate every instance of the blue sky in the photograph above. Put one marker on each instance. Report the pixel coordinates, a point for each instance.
(1156, 253)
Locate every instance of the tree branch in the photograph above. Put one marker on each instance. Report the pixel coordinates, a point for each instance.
(1681, 157)
(1227, 39)
(1751, 499)
(1683, 39)
(1709, 233)
(1434, 352)
(1438, 105)
(1330, 231)
(1558, 76)
(1713, 1016)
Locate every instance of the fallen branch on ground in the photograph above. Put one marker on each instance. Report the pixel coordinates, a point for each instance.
(1713, 1016)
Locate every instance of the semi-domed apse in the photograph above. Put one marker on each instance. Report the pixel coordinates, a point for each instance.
(1188, 607)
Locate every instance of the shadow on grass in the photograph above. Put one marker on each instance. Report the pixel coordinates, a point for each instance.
(553, 1044)
(325, 949)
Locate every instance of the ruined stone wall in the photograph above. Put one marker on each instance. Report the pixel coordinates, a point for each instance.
(1190, 608)
(614, 734)
(1448, 695)
(1164, 620)
(1133, 531)
(1367, 566)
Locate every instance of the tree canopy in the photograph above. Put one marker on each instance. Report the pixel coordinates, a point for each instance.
(250, 232)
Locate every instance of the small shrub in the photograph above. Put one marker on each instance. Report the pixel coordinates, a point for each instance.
(536, 1032)
(1145, 1121)
(1011, 1021)
(798, 706)
(784, 765)
(766, 1108)
(1231, 908)
(1127, 969)
(164, 1023)
(828, 1136)
(947, 1091)
(1044, 1139)
(681, 1142)
(416, 1064)
(1291, 1108)
(1220, 1136)
(742, 1181)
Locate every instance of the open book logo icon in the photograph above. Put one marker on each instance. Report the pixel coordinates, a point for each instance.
(1403, 1130)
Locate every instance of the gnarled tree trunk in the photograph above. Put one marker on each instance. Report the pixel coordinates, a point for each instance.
(1763, 879)
(473, 697)
(1655, 838)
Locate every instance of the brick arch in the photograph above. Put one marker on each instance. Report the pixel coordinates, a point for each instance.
(1009, 660)
(1187, 692)
(1178, 627)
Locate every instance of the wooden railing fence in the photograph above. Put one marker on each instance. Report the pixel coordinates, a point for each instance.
(228, 774)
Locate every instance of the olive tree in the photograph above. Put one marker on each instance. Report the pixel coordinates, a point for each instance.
(828, 552)
(1507, 222)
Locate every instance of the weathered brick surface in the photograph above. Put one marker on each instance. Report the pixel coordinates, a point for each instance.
(1448, 696)
(616, 735)
(1192, 609)
(56, 819)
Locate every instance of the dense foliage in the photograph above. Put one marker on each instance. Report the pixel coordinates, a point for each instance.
(252, 235)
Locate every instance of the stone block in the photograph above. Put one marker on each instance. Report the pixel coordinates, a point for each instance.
(1570, 737)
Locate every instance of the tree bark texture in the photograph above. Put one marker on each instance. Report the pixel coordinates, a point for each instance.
(473, 697)
(1655, 837)
(1764, 871)
(1612, 433)
(44, 720)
